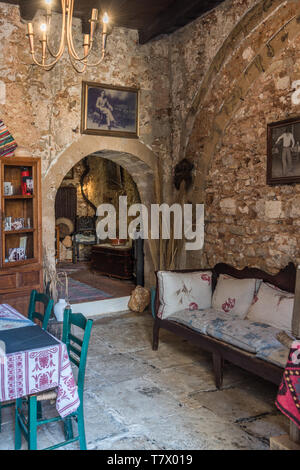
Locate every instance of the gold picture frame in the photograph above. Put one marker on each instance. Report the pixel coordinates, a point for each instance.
(109, 110)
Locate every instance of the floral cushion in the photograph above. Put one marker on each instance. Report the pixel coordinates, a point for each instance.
(246, 335)
(277, 355)
(198, 320)
(272, 306)
(179, 291)
(234, 296)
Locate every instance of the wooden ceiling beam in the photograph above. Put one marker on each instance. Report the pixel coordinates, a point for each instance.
(177, 15)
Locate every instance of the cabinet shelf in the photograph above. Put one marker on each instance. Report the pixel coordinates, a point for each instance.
(15, 232)
(19, 196)
(21, 250)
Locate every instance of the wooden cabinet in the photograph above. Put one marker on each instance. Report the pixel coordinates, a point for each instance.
(115, 261)
(21, 230)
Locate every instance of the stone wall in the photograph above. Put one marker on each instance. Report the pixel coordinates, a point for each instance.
(255, 224)
(248, 84)
(207, 93)
(102, 185)
(43, 109)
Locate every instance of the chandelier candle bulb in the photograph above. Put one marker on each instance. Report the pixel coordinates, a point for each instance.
(30, 36)
(105, 22)
(86, 40)
(94, 14)
(44, 30)
(30, 28)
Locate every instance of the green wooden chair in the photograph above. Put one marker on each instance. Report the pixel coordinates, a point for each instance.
(35, 297)
(77, 349)
(33, 314)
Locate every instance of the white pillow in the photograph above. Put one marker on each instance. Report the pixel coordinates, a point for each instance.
(178, 291)
(233, 295)
(272, 306)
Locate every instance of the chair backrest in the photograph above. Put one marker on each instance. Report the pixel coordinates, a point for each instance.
(77, 347)
(86, 224)
(33, 314)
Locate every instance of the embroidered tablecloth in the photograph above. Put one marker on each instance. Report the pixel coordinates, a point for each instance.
(288, 398)
(33, 371)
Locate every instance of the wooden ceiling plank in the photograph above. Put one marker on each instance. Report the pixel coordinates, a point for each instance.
(150, 18)
(178, 13)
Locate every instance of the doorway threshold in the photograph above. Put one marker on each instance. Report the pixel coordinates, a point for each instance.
(101, 307)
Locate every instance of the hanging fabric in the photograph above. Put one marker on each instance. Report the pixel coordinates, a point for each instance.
(7, 142)
(296, 311)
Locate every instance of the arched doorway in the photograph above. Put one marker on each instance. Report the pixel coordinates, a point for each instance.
(130, 154)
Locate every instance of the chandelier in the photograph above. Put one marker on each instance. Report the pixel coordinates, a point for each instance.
(79, 63)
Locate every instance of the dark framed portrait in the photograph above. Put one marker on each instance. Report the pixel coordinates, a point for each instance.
(283, 152)
(109, 110)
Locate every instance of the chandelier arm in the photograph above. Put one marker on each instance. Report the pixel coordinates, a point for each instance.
(104, 38)
(62, 39)
(73, 63)
(97, 63)
(44, 66)
(71, 48)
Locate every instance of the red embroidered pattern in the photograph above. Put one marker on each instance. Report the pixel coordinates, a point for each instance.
(44, 369)
(206, 277)
(193, 306)
(14, 376)
(228, 305)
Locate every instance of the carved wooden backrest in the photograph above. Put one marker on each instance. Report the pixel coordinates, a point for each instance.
(285, 279)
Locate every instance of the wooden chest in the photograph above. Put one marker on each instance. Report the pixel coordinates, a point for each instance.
(113, 261)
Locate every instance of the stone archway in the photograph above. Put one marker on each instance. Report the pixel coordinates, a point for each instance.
(131, 154)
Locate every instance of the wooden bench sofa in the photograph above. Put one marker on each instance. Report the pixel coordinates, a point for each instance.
(221, 350)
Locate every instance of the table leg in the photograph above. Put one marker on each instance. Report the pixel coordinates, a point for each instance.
(18, 433)
(32, 423)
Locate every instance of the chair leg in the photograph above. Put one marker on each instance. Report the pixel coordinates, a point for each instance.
(218, 363)
(39, 410)
(74, 253)
(155, 336)
(68, 428)
(81, 429)
(0, 418)
(18, 434)
(32, 423)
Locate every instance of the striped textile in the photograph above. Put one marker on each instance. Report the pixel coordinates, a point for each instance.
(7, 142)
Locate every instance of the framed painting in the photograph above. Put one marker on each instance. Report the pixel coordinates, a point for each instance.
(283, 152)
(109, 110)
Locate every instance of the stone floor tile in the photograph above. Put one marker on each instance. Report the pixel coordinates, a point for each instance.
(266, 426)
(138, 401)
(127, 442)
(240, 402)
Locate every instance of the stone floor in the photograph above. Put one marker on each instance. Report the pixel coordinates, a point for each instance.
(139, 399)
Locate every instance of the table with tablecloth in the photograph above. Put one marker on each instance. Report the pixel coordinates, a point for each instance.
(31, 370)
